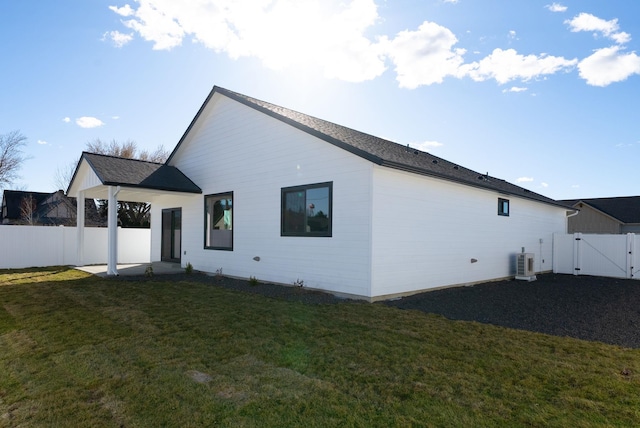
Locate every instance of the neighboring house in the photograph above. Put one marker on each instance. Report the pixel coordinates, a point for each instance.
(44, 209)
(605, 215)
(257, 190)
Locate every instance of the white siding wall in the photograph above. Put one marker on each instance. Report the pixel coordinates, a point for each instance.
(426, 231)
(241, 150)
(168, 201)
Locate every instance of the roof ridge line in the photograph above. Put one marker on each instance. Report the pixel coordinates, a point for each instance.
(121, 157)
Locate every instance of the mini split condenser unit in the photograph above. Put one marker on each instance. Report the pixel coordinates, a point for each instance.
(525, 267)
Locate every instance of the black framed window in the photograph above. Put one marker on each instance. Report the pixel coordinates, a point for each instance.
(218, 219)
(307, 210)
(503, 207)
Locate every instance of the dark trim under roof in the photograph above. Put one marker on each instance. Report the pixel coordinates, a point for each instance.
(116, 171)
(377, 150)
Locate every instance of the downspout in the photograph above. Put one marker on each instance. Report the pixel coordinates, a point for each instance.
(573, 214)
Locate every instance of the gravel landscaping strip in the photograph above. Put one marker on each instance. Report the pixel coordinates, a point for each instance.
(584, 307)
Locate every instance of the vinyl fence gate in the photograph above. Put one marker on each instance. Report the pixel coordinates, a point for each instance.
(616, 256)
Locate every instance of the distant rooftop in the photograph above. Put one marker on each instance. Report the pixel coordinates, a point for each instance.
(624, 208)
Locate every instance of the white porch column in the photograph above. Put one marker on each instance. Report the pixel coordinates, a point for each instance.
(112, 228)
(80, 229)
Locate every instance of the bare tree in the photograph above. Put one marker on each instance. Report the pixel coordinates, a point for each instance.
(11, 157)
(126, 149)
(29, 210)
(130, 214)
(64, 174)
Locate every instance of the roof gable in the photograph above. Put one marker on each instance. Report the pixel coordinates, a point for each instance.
(374, 149)
(116, 171)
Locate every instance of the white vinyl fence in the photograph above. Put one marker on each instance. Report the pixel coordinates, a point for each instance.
(30, 246)
(616, 256)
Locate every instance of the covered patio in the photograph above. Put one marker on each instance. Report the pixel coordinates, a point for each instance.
(119, 179)
(135, 269)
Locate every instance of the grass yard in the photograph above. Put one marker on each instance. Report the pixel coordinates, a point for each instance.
(77, 350)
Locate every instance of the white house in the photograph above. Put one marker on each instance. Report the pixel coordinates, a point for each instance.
(258, 190)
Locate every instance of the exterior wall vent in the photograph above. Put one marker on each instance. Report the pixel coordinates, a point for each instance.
(525, 267)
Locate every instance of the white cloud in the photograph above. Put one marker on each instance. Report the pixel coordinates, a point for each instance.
(66, 120)
(451, 1)
(425, 56)
(334, 36)
(115, 117)
(122, 11)
(556, 7)
(608, 65)
(524, 180)
(589, 22)
(425, 145)
(507, 65)
(514, 89)
(637, 143)
(605, 65)
(157, 22)
(42, 142)
(621, 37)
(545, 185)
(117, 38)
(88, 122)
(281, 33)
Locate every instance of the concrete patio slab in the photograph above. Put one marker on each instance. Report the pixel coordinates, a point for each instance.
(159, 268)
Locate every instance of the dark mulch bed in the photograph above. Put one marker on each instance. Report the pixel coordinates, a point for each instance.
(584, 307)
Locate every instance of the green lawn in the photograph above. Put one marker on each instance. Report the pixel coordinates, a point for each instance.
(76, 350)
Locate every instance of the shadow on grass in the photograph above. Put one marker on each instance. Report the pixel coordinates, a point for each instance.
(37, 275)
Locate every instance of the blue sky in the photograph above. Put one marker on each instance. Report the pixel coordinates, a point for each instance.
(542, 94)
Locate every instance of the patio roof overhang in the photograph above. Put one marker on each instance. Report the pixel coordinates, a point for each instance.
(130, 194)
(118, 179)
(139, 181)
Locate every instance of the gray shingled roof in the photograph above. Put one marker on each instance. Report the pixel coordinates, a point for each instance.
(115, 171)
(625, 208)
(12, 199)
(377, 150)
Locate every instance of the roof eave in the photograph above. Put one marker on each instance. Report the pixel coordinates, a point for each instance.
(192, 124)
(197, 191)
(425, 172)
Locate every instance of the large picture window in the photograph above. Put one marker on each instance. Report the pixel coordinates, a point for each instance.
(306, 210)
(218, 218)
